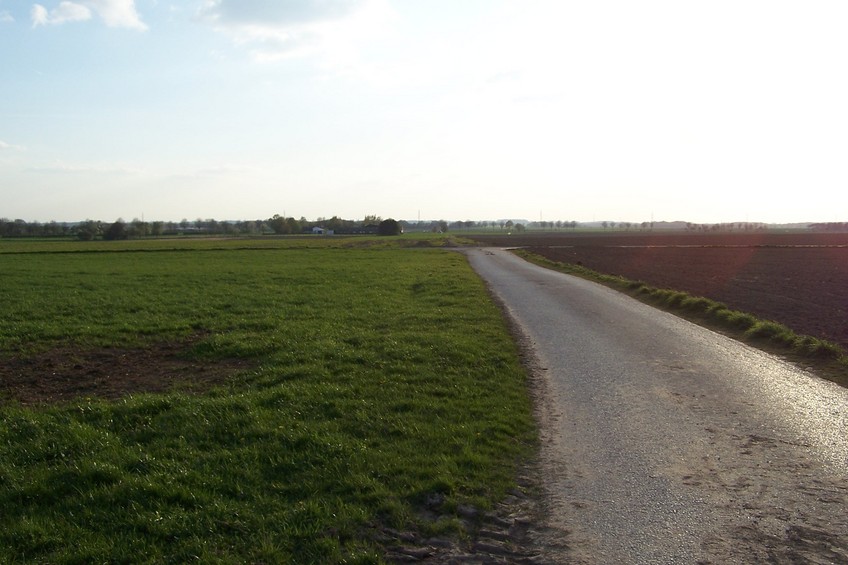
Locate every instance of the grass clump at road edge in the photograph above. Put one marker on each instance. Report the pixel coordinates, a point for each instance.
(828, 359)
(381, 380)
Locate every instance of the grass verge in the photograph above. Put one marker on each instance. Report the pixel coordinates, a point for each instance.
(825, 358)
(380, 380)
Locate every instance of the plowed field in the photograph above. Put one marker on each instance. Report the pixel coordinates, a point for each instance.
(797, 279)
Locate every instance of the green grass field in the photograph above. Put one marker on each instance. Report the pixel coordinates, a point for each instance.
(372, 379)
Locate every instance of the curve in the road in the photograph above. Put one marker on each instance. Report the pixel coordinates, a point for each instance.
(671, 443)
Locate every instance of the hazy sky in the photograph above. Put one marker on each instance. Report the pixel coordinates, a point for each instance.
(625, 110)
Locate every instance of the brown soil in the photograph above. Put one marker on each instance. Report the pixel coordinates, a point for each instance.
(68, 371)
(797, 279)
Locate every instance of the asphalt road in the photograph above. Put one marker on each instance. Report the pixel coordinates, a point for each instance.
(664, 442)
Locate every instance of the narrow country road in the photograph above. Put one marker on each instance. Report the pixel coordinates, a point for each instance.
(664, 442)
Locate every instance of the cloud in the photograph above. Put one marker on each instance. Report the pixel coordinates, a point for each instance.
(276, 13)
(117, 13)
(271, 29)
(225, 170)
(62, 168)
(4, 146)
(6, 17)
(222, 170)
(65, 12)
(114, 13)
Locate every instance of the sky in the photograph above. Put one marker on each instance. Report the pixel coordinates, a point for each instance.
(618, 110)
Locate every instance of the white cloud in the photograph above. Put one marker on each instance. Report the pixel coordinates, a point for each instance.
(65, 12)
(60, 167)
(117, 13)
(271, 30)
(114, 13)
(222, 170)
(39, 15)
(4, 146)
(276, 13)
(6, 17)
(225, 170)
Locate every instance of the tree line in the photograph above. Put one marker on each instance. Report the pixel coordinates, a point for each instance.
(137, 228)
(119, 229)
(830, 226)
(727, 227)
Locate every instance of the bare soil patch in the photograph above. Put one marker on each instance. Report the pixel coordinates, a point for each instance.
(796, 279)
(68, 371)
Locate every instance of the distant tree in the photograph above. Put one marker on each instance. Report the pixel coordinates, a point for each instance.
(278, 224)
(508, 224)
(335, 223)
(389, 227)
(17, 228)
(118, 230)
(249, 226)
(439, 227)
(88, 230)
(519, 228)
(55, 229)
(294, 226)
(139, 228)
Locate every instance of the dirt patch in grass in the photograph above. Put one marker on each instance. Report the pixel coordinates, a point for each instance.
(67, 372)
